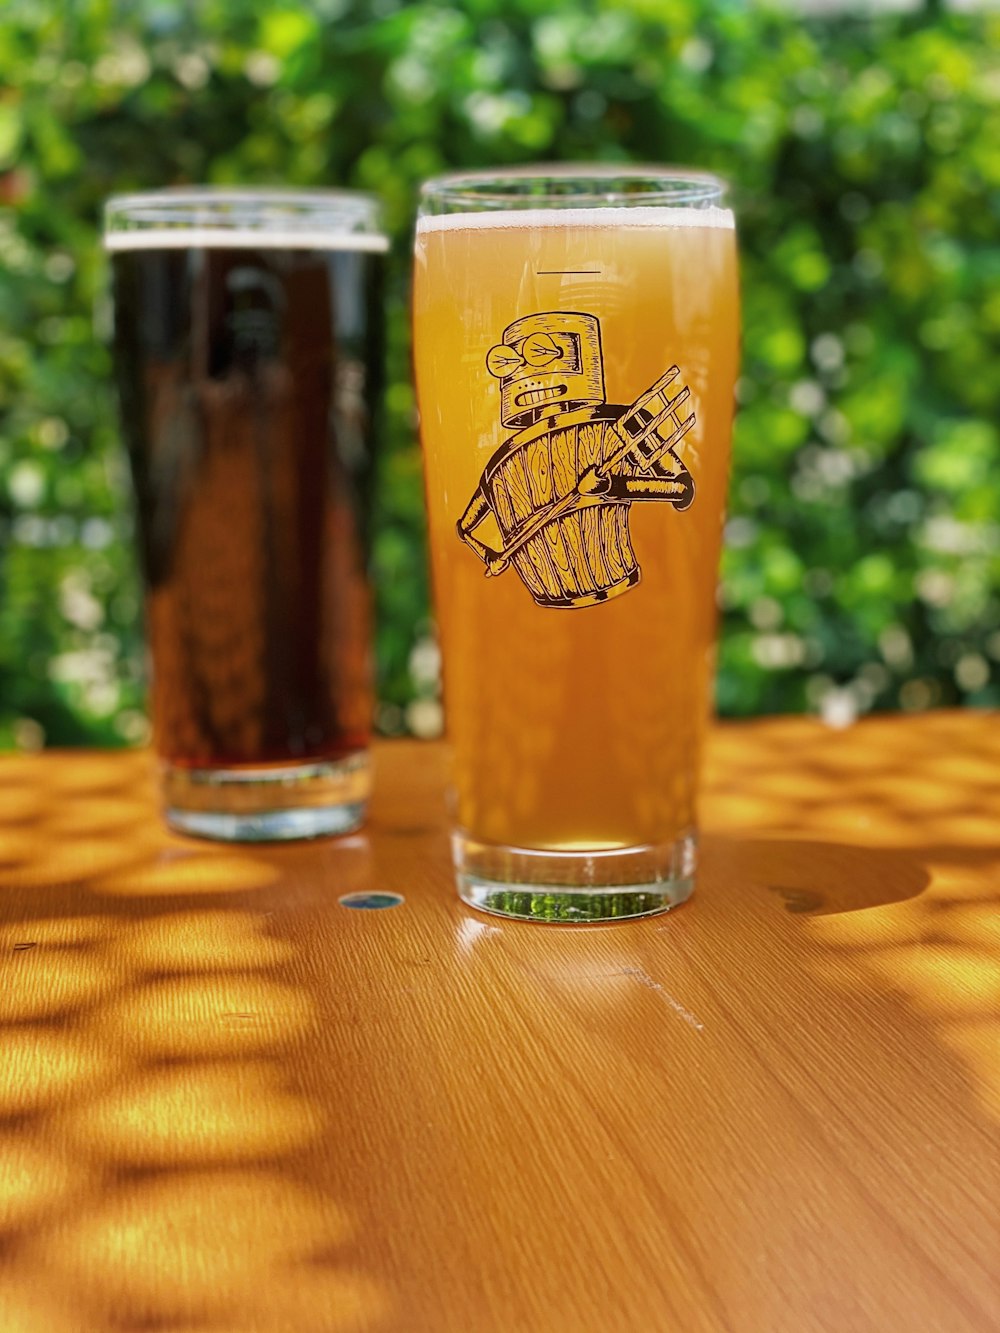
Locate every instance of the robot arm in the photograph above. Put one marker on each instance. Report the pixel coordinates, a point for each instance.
(675, 486)
(478, 508)
(650, 431)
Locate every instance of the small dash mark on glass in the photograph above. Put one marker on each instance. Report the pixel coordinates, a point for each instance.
(552, 272)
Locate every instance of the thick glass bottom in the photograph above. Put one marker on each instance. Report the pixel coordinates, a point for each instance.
(574, 886)
(276, 803)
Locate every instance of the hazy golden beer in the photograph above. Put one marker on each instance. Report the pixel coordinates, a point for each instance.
(576, 617)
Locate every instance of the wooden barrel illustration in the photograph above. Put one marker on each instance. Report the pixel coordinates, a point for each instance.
(579, 558)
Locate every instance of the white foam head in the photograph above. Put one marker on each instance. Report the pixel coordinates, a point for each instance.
(528, 219)
(224, 238)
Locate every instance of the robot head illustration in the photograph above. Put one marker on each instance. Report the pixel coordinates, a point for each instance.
(547, 362)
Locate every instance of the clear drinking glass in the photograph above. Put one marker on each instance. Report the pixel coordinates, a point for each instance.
(247, 351)
(576, 349)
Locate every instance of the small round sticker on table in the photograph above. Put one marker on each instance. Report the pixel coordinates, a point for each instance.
(371, 902)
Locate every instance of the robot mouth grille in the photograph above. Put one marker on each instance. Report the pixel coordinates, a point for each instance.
(540, 396)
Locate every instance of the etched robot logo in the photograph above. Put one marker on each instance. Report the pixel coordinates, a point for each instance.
(560, 488)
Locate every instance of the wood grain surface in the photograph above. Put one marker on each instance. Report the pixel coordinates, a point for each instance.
(229, 1103)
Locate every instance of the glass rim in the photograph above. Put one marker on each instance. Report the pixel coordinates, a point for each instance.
(241, 215)
(665, 186)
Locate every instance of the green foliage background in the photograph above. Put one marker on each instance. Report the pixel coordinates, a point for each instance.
(863, 559)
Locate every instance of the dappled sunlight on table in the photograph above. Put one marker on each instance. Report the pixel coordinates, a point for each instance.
(20, 804)
(939, 956)
(229, 1104)
(153, 1101)
(205, 941)
(976, 1043)
(34, 1180)
(67, 859)
(60, 932)
(43, 1068)
(39, 982)
(27, 1305)
(193, 1113)
(215, 1246)
(921, 801)
(94, 819)
(17, 845)
(90, 773)
(99, 815)
(203, 1016)
(174, 873)
(878, 782)
(973, 924)
(946, 981)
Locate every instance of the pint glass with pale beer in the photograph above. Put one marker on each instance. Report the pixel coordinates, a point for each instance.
(576, 346)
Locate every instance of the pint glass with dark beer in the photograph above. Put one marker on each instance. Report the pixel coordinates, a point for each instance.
(247, 346)
(576, 352)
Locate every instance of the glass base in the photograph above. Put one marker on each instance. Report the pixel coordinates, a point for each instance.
(274, 803)
(574, 886)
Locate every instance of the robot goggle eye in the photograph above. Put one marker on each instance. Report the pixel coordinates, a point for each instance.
(502, 361)
(539, 351)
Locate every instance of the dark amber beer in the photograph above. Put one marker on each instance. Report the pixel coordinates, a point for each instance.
(576, 352)
(246, 347)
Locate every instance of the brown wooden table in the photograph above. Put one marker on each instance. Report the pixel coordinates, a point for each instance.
(228, 1102)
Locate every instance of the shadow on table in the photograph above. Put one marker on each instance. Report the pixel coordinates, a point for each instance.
(153, 1129)
(819, 877)
(919, 923)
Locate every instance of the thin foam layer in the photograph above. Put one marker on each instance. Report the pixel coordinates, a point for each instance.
(531, 218)
(221, 238)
